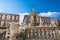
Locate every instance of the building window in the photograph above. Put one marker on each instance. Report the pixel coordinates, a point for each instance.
(1, 16)
(14, 17)
(11, 17)
(8, 33)
(8, 37)
(5, 16)
(34, 18)
(4, 23)
(0, 23)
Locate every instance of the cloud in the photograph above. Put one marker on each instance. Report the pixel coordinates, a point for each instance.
(53, 15)
(45, 14)
(22, 16)
(48, 14)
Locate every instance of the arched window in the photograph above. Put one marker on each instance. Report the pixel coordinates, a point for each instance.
(35, 19)
(4, 23)
(14, 17)
(5, 16)
(11, 17)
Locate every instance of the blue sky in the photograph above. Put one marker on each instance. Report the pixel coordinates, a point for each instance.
(49, 8)
(14, 6)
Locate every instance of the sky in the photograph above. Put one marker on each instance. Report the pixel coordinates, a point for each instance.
(49, 8)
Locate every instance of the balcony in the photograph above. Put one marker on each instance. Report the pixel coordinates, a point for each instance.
(35, 24)
(3, 27)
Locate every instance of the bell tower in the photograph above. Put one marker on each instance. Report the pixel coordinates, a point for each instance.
(34, 17)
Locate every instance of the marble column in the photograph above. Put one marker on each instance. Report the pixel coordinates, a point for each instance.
(39, 33)
(50, 33)
(47, 33)
(43, 33)
(57, 34)
(28, 35)
(31, 34)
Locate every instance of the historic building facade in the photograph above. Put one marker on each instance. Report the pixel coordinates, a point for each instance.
(34, 27)
(39, 28)
(5, 21)
(35, 19)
